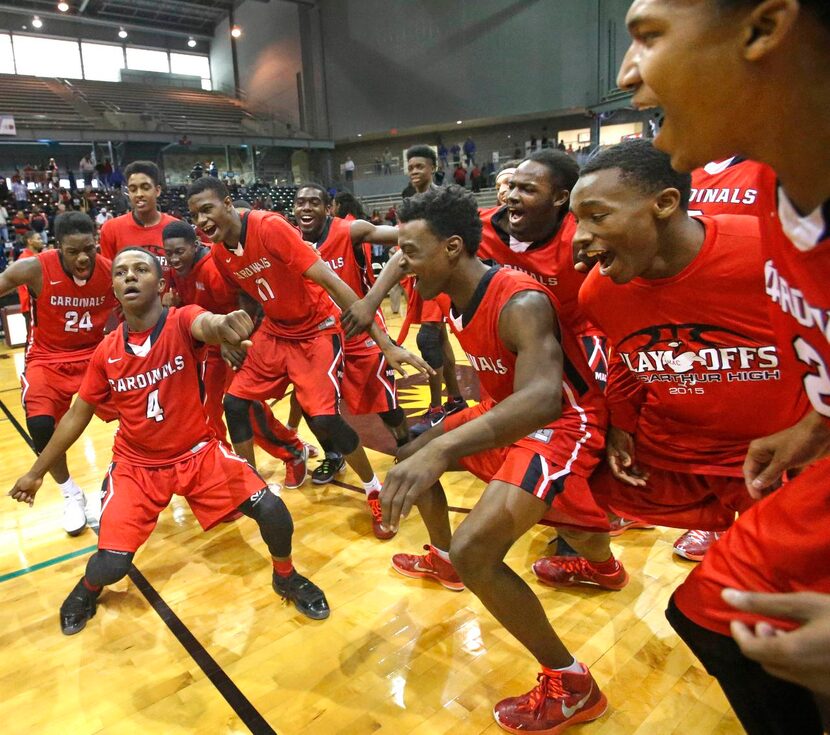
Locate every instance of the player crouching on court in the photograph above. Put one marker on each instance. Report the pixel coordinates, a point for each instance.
(526, 439)
(148, 371)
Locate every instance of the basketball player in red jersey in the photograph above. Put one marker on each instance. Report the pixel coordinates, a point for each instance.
(148, 370)
(32, 245)
(433, 339)
(300, 341)
(771, 103)
(527, 439)
(142, 227)
(196, 280)
(368, 383)
(696, 374)
(71, 290)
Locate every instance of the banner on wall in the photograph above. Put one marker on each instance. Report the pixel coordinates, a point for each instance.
(7, 126)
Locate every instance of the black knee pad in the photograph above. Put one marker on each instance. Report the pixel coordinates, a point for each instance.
(334, 432)
(429, 344)
(274, 521)
(393, 418)
(107, 567)
(41, 429)
(239, 421)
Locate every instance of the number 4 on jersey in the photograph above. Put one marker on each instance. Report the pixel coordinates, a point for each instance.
(154, 409)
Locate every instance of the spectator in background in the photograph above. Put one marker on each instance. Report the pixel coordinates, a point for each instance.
(347, 207)
(107, 171)
(348, 168)
(117, 178)
(476, 178)
(4, 224)
(376, 218)
(52, 172)
(460, 175)
(20, 192)
(532, 142)
(213, 170)
(469, 151)
(87, 169)
(442, 155)
(39, 223)
(4, 190)
(545, 141)
(99, 173)
(89, 202)
(20, 224)
(561, 145)
(387, 161)
(197, 171)
(455, 149)
(119, 202)
(392, 215)
(103, 216)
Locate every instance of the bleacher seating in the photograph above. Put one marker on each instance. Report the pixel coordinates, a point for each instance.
(34, 104)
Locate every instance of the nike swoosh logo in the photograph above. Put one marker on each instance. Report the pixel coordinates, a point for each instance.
(571, 711)
(56, 283)
(113, 359)
(227, 260)
(418, 568)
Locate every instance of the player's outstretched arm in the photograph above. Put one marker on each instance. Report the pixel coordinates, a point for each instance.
(26, 272)
(361, 314)
(71, 427)
(223, 329)
(363, 231)
(527, 328)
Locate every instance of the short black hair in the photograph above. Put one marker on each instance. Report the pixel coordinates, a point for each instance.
(134, 248)
(242, 204)
(208, 183)
(422, 151)
(643, 166)
(819, 8)
(148, 168)
(448, 210)
(179, 229)
(73, 223)
(324, 193)
(512, 163)
(347, 204)
(563, 170)
(30, 235)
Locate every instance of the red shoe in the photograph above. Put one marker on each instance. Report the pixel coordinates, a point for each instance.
(297, 470)
(428, 566)
(373, 501)
(566, 571)
(559, 700)
(620, 525)
(313, 452)
(693, 545)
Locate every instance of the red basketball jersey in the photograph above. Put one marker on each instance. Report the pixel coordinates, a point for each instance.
(733, 186)
(23, 291)
(709, 376)
(336, 248)
(551, 263)
(125, 232)
(269, 264)
(205, 286)
(477, 329)
(68, 316)
(155, 387)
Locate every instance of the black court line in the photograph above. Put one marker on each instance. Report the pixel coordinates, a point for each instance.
(232, 694)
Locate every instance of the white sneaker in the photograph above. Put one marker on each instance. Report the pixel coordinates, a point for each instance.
(275, 488)
(93, 510)
(74, 514)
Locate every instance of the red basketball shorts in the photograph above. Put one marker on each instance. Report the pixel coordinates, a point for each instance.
(677, 499)
(48, 389)
(780, 544)
(312, 365)
(567, 495)
(213, 480)
(368, 384)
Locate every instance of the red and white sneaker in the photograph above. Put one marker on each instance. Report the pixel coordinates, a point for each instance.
(313, 452)
(428, 566)
(296, 471)
(620, 525)
(560, 699)
(693, 545)
(373, 501)
(566, 571)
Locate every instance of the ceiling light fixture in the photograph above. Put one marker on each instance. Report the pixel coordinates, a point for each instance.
(63, 6)
(37, 22)
(122, 33)
(191, 42)
(236, 31)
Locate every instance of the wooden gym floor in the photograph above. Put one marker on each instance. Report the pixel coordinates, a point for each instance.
(195, 641)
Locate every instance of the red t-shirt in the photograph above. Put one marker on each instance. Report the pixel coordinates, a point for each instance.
(733, 186)
(477, 329)
(336, 248)
(125, 232)
(155, 387)
(68, 316)
(696, 370)
(269, 264)
(205, 286)
(23, 291)
(551, 263)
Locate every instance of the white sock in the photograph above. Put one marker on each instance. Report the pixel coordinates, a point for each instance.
(445, 555)
(291, 428)
(70, 488)
(575, 667)
(373, 486)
